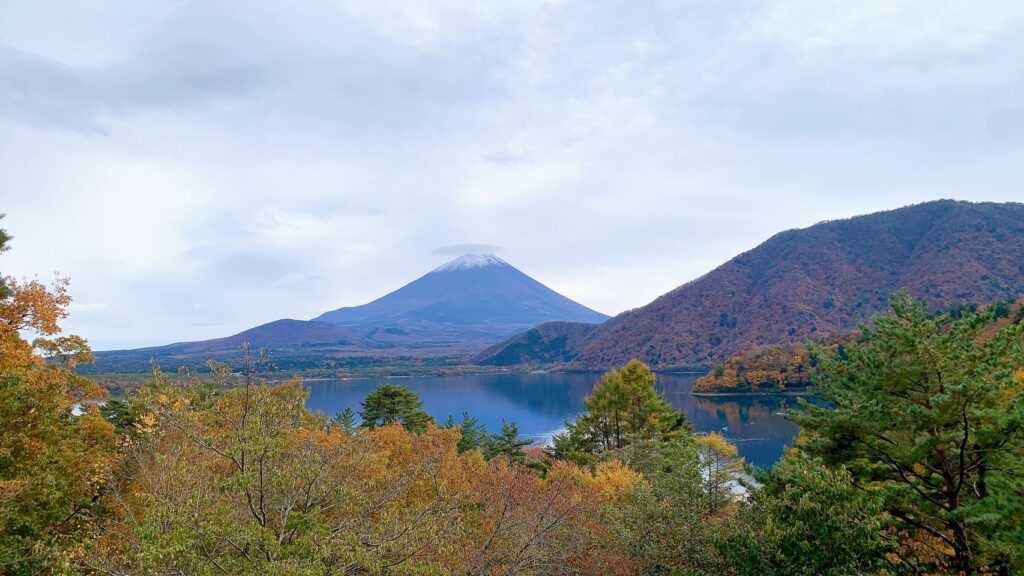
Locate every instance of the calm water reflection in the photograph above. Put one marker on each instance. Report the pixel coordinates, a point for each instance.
(541, 403)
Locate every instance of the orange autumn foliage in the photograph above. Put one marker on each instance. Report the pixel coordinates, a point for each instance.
(53, 465)
(763, 369)
(246, 479)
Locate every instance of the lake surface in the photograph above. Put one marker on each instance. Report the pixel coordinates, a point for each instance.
(541, 404)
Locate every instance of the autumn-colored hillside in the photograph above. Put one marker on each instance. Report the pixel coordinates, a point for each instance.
(822, 281)
(789, 367)
(766, 369)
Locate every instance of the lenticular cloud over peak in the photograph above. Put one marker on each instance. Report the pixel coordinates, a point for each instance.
(460, 249)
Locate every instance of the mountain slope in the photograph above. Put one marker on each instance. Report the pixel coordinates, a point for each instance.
(276, 334)
(448, 314)
(549, 343)
(280, 336)
(477, 297)
(822, 281)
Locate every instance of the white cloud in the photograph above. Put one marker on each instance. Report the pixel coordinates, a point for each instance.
(204, 169)
(460, 249)
(885, 29)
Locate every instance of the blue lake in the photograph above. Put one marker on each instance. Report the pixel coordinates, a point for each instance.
(541, 404)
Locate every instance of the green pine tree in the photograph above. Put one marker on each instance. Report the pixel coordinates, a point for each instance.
(623, 408)
(123, 414)
(927, 412)
(393, 403)
(346, 420)
(809, 520)
(473, 434)
(507, 443)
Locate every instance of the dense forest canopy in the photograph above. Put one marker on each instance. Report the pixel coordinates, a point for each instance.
(791, 367)
(763, 369)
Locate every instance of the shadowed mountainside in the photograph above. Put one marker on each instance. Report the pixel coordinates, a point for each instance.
(549, 343)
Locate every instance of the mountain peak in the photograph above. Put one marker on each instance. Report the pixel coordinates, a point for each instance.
(823, 281)
(470, 261)
(476, 299)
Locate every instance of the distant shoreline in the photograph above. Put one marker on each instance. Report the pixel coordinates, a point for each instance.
(120, 384)
(742, 394)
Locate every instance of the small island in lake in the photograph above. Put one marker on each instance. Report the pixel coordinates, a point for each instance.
(766, 369)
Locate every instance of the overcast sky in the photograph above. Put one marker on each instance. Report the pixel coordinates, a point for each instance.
(197, 168)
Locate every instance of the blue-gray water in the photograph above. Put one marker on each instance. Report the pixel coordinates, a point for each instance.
(541, 403)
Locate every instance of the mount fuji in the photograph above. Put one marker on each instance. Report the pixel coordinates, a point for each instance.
(473, 300)
(458, 309)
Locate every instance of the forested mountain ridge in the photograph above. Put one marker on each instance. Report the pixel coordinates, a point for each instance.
(789, 367)
(548, 343)
(821, 281)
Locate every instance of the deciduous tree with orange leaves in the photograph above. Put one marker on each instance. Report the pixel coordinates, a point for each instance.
(240, 478)
(53, 464)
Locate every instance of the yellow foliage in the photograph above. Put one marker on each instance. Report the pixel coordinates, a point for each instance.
(33, 306)
(614, 481)
(717, 443)
(57, 464)
(256, 471)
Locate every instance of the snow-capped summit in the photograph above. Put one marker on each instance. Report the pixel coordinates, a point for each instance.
(470, 261)
(476, 298)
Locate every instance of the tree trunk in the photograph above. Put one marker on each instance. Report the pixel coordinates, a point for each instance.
(963, 559)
